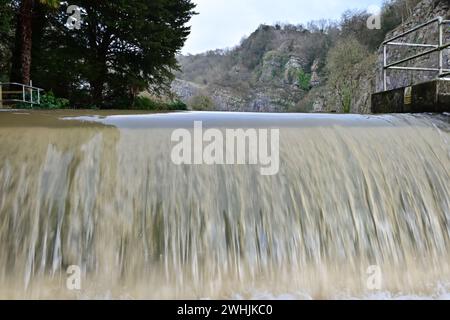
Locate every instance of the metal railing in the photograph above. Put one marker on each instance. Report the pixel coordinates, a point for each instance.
(12, 92)
(439, 47)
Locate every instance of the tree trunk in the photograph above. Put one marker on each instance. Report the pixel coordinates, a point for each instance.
(97, 61)
(26, 34)
(38, 26)
(16, 65)
(97, 92)
(98, 79)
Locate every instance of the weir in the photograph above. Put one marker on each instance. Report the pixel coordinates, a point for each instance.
(100, 192)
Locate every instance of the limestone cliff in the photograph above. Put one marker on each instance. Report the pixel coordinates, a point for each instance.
(286, 68)
(271, 71)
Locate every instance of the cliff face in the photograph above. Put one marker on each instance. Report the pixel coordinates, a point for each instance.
(271, 71)
(285, 68)
(425, 11)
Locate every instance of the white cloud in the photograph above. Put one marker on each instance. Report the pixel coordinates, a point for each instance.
(223, 23)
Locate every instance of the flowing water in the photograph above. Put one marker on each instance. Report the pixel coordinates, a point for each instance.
(101, 192)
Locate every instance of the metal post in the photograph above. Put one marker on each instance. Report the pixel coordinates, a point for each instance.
(441, 43)
(31, 94)
(23, 93)
(384, 67)
(1, 96)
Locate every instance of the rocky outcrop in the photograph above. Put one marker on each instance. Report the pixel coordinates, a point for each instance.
(271, 65)
(260, 75)
(226, 100)
(292, 70)
(315, 79)
(185, 90)
(278, 88)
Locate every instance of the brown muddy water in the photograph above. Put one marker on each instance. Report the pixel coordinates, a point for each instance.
(98, 190)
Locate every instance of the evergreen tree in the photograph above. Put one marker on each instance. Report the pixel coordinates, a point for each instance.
(6, 36)
(122, 48)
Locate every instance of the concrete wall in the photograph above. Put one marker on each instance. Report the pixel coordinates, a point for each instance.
(432, 96)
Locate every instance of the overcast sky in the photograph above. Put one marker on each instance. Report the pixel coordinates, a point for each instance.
(222, 23)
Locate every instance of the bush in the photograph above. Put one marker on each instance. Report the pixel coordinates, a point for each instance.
(201, 103)
(304, 80)
(145, 103)
(49, 101)
(345, 64)
(177, 105)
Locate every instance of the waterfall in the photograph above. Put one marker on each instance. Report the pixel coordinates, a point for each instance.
(101, 193)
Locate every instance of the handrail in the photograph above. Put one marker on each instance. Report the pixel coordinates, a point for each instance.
(405, 44)
(423, 25)
(24, 89)
(440, 47)
(21, 85)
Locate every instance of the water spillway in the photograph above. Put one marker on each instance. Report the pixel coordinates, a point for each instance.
(101, 192)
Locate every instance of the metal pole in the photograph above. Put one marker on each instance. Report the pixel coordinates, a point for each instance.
(413, 29)
(418, 45)
(31, 94)
(384, 67)
(441, 43)
(419, 69)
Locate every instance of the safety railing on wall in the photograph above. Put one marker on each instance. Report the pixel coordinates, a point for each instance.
(432, 48)
(14, 93)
